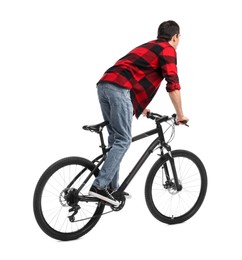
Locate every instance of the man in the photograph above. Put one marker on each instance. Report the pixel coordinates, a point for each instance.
(126, 89)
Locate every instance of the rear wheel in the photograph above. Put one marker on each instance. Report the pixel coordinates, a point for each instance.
(53, 200)
(163, 200)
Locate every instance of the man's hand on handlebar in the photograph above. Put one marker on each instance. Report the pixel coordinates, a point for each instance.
(146, 110)
(182, 120)
(178, 120)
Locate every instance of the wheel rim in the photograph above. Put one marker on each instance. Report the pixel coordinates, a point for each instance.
(55, 207)
(166, 199)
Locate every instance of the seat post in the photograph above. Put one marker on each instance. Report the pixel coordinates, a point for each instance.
(102, 146)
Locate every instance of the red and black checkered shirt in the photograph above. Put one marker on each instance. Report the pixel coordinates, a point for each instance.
(142, 71)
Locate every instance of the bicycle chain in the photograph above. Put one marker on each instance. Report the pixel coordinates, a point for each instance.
(72, 217)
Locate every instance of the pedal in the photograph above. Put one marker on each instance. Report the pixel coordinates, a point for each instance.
(119, 196)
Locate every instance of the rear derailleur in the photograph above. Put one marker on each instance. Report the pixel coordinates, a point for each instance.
(71, 199)
(73, 209)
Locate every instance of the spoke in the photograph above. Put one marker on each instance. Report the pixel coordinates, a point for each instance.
(56, 214)
(168, 201)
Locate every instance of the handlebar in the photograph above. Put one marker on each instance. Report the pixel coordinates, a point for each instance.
(159, 118)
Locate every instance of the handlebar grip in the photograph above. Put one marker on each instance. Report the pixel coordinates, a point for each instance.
(150, 115)
(153, 116)
(184, 122)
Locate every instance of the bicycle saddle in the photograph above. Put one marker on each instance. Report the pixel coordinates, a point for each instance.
(95, 128)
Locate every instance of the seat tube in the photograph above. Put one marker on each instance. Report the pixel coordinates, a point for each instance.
(102, 146)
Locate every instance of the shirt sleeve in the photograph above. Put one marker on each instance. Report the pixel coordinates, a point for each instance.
(168, 63)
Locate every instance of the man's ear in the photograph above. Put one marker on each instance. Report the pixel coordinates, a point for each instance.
(174, 37)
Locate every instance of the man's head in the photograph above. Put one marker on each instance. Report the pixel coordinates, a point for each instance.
(169, 31)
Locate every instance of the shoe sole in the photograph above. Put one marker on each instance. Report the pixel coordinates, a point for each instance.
(115, 203)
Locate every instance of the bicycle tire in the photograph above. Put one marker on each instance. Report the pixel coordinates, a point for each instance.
(168, 205)
(48, 191)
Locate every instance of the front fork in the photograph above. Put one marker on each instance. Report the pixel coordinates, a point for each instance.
(173, 167)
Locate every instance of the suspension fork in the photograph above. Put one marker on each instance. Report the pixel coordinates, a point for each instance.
(171, 159)
(173, 168)
(164, 166)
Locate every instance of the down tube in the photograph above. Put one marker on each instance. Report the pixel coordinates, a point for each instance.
(138, 165)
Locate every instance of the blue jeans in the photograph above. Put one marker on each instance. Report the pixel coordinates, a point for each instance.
(116, 108)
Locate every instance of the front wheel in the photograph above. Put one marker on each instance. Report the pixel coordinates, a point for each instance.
(163, 200)
(55, 199)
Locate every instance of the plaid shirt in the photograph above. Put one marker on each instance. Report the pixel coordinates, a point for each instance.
(142, 71)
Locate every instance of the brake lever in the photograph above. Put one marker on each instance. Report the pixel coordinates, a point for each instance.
(184, 122)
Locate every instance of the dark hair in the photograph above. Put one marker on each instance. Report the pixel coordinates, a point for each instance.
(167, 30)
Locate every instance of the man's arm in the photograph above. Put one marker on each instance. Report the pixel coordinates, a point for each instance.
(177, 103)
(169, 72)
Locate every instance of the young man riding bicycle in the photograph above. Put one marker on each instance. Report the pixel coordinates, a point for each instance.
(126, 89)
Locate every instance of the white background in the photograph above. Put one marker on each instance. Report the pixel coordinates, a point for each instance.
(52, 53)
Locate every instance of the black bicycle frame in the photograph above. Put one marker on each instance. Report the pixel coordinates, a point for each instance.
(143, 158)
(160, 140)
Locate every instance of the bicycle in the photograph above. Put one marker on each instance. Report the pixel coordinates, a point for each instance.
(175, 187)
